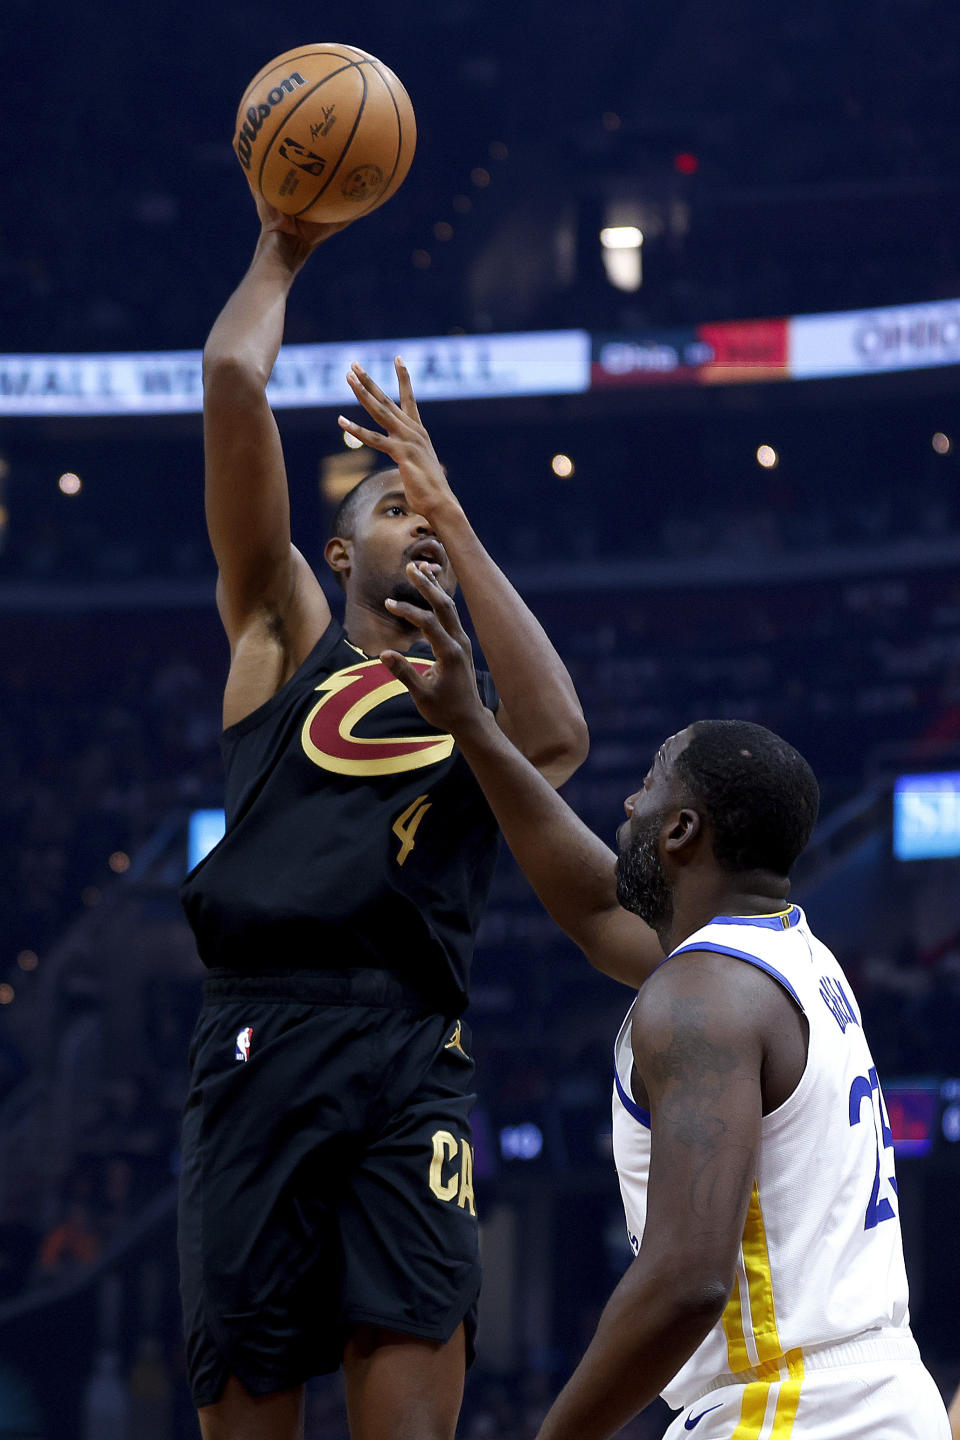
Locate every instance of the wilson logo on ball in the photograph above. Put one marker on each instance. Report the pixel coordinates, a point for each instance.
(258, 114)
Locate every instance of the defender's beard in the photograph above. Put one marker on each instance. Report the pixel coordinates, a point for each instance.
(642, 886)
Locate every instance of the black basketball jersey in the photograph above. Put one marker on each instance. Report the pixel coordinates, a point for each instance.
(356, 833)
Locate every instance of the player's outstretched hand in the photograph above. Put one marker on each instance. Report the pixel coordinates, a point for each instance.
(446, 695)
(406, 440)
(308, 233)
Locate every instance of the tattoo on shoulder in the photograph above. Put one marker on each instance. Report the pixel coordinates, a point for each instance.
(691, 1055)
(689, 1066)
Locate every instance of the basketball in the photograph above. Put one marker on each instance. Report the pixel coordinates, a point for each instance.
(326, 132)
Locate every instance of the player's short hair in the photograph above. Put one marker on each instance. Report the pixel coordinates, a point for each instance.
(344, 522)
(344, 519)
(760, 795)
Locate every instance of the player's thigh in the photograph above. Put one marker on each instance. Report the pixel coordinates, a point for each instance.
(400, 1387)
(408, 1224)
(238, 1415)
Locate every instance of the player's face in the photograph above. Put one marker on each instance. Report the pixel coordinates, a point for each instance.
(388, 535)
(643, 885)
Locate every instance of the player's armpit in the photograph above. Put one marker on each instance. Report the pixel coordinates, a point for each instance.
(269, 643)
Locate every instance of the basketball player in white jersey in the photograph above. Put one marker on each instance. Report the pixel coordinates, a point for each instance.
(767, 1298)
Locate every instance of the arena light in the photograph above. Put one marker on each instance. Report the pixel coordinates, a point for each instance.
(941, 443)
(622, 256)
(767, 457)
(621, 237)
(562, 466)
(521, 1142)
(351, 441)
(70, 484)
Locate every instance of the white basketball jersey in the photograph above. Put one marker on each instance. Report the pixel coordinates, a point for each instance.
(821, 1257)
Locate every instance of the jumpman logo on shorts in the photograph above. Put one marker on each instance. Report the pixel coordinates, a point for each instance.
(454, 1042)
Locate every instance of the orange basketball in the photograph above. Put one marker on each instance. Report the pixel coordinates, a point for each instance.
(326, 132)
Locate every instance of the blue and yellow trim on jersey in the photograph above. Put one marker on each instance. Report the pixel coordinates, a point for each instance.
(777, 1376)
(778, 920)
(782, 920)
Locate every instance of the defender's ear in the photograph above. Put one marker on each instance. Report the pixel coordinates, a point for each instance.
(685, 828)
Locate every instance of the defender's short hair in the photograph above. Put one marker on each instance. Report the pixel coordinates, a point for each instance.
(760, 795)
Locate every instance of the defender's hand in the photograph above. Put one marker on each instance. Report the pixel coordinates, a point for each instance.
(446, 695)
(406, 440)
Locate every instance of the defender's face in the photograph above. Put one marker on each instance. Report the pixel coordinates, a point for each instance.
(643, 885)
(388, 535)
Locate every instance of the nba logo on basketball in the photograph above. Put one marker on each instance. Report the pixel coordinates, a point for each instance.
(243, 1043)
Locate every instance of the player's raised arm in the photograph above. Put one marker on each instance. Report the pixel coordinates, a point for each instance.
(569, 867)
(539, 706)
(262, 581)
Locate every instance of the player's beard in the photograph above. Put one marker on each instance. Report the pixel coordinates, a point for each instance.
(642, 886)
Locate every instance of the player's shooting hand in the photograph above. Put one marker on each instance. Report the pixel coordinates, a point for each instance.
(446, 695)
(305, 234)
(406, 440)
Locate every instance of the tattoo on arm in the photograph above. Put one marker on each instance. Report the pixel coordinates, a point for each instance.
(689, 1074)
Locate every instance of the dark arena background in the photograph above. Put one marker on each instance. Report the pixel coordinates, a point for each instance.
(679, 286)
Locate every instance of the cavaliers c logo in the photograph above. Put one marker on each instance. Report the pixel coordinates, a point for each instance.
(345, 697)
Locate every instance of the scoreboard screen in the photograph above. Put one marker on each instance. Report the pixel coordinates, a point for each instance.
(926, 816)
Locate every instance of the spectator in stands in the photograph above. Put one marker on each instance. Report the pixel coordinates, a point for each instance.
(74, 1242)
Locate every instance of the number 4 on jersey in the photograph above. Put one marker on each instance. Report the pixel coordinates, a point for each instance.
(406, 825)
(865, 1087)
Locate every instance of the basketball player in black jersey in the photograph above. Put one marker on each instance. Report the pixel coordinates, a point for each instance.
(327, 1212)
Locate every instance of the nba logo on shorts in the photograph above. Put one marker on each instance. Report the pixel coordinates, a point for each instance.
(243, 1043)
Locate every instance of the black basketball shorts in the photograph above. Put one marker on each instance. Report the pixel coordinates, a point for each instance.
(326, 1176)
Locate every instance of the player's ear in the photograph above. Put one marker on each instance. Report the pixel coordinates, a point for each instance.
(682, 829)
(337, 553)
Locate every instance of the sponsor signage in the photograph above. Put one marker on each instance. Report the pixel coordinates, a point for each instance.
(462, 367)
(472, 367)
(731, 352)
(870, 342)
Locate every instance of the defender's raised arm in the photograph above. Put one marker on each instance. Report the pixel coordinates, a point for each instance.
(539, 708)
(569, 867)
